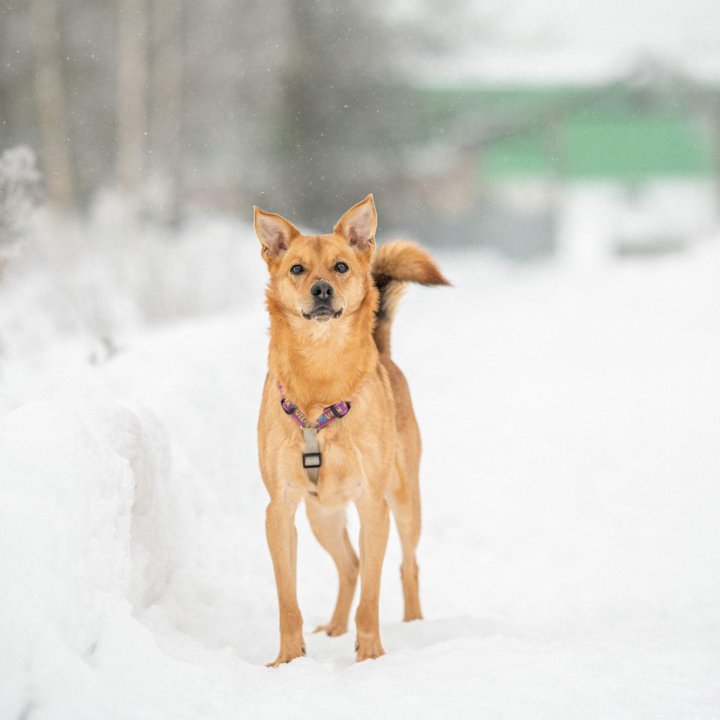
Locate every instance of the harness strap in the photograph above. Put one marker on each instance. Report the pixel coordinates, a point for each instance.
(311, 456)
(312, 459)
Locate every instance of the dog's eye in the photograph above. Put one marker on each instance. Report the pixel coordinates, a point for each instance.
(341, 267)
(297, 269)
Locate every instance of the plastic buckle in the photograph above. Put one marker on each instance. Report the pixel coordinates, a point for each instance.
(312, 460)
(340, 409)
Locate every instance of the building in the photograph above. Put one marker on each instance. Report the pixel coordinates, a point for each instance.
(586, 173)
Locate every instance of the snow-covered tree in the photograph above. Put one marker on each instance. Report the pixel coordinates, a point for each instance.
(19, 190)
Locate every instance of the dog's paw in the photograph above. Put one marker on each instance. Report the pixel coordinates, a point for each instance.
(287, 655)
(368, 648)
(333, 629)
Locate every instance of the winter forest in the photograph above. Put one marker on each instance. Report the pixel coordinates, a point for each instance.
(562, 164)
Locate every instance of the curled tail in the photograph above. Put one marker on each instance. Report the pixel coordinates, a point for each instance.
(395, 264)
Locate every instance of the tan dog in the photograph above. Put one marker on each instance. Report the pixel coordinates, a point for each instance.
(331, 305)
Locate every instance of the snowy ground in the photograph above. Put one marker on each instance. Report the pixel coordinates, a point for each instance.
(570, 560)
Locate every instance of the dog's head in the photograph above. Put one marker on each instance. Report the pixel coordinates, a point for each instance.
(318, 278)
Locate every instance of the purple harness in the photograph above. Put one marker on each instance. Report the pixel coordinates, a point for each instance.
(311, 457)
(330, 413)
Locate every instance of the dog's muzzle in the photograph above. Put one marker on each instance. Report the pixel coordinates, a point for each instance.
(322, 294)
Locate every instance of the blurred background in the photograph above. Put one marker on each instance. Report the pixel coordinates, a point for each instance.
(576, 132)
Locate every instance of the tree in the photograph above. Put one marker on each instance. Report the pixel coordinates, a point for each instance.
(166, 103)
(131, 94)
(333, 118)
(50, 103)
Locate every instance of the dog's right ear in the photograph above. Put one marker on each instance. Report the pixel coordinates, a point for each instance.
(274, 232)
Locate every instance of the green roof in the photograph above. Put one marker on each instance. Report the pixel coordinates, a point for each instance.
(623, 148)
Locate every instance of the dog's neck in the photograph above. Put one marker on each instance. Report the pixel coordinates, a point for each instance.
(322, 363)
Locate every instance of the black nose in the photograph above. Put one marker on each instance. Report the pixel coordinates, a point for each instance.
(321, 290)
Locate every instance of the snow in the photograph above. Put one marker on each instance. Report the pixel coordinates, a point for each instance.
(570, 557)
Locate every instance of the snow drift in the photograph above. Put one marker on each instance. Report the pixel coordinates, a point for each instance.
(571, 545)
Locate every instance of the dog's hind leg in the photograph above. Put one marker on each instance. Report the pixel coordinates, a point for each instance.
(329, 527)
(404, 499)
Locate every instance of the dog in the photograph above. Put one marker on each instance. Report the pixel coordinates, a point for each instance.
(331, 300)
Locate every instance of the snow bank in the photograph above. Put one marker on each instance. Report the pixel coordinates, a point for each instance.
(570, 551)
(65, 531)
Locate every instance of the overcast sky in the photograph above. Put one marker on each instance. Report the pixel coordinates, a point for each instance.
(583, 39)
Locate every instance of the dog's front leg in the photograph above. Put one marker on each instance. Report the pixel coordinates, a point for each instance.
(282, 541)
(374, 525)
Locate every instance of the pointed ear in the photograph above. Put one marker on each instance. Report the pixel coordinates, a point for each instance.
(359, 224)
(275, 233)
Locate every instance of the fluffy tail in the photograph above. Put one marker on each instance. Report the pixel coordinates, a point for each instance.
(396, 263)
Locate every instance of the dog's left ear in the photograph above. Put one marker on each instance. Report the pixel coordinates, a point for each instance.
(359, 224)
